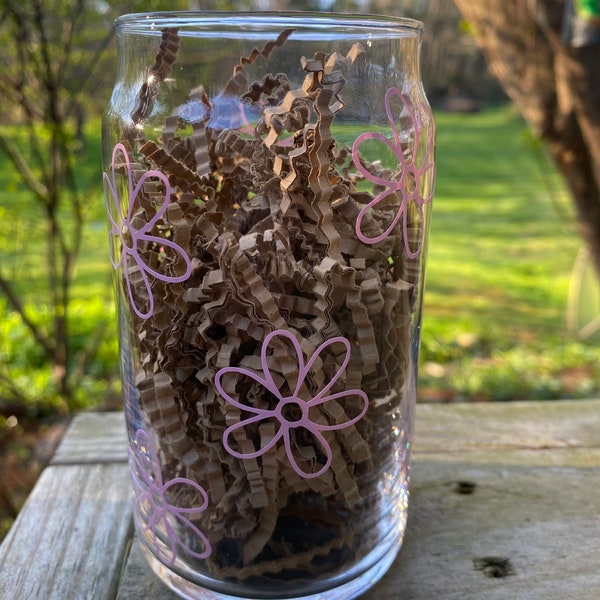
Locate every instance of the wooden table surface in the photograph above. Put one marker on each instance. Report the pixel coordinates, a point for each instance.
(497, 489)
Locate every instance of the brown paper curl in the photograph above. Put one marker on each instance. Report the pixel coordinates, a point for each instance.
(166, 57)
(268, 222)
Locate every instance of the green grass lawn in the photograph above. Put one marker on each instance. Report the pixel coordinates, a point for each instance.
(502, 247)
(92, 322)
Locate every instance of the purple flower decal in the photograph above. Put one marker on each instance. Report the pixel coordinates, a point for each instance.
(410, 174)
(294, 411)
(152, 500)
(129, 234)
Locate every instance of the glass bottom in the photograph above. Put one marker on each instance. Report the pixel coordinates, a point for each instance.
(355, 582)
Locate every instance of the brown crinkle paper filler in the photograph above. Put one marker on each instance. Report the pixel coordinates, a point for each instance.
(267, 220)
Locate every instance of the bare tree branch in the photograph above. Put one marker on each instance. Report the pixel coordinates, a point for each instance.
(22, 166)
(555, 84)
(15, 303)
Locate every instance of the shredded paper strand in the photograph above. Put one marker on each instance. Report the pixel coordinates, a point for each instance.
(266, 329)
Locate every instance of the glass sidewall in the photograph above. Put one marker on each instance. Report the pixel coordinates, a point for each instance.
(268, 182)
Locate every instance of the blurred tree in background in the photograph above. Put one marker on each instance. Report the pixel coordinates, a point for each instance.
(56, 67)
(452, 64)
(59, 63)
(546, 54)
(57, 341)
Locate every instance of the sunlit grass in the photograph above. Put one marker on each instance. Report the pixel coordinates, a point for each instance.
(495, 231)
(91, 323)
(502, 247)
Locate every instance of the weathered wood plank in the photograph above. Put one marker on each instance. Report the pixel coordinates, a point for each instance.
(507, 426)
(542, 519)
(70, 539)
(139, 581)
(534, 470)
(97, 437)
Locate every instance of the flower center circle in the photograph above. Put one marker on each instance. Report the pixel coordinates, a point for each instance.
(292, 411)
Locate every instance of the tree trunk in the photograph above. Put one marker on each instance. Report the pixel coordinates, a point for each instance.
(556, 85)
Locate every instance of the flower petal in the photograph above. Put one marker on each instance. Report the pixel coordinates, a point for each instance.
(241, 424)
(121, 149)
(144, 459)
(163, 243)
(341, 369)
(392, 145)
(183, 482)
(376, 200)
(282, 333)
(130, 289)
(349, 422)
(152, 514)
(409, 251)
(247, 373)
(166, 557)
(197, 533)
(116, 220)
(321, 442)
(152, 174)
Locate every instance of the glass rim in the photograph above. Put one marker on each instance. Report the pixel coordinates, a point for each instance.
(197, 21)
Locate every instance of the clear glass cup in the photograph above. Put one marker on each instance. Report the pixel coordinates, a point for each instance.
(268, 180)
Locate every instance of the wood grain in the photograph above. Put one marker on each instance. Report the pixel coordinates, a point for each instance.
(71, 537)
(517, 482)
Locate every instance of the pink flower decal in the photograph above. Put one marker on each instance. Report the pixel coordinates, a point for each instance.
(294, 413)
(152, 500)
(130, 236)
(410, 174)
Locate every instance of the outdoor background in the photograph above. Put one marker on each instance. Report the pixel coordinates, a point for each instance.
(508, 292)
